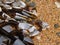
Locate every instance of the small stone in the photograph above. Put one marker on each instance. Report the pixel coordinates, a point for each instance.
(32, 4)
(57, 4)
(58, 34)
(56, 25)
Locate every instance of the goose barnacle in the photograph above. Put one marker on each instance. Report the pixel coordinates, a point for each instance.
(19, 5)
(7, 28)
(7, 1)
(34, 33)
(28, 39)
(24, 25)
(7, 6)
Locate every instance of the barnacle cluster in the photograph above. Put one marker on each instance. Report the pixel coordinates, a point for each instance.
(19, 24)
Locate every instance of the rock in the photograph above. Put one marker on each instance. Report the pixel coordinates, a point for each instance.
(57, 4)
(32, 4)
(58, 34)
(56, 25)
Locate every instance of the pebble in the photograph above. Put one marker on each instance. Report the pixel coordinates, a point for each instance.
(57, 4)
(32, 4)
(58, 34)
(56, 25)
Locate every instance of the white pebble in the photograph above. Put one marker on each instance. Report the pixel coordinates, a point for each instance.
(57, 4)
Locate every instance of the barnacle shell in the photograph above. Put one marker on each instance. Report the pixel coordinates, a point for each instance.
(19, 5)
(8, 1)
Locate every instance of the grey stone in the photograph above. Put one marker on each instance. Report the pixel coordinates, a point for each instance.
(56, 25)
(32, 4)
(58, 34)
